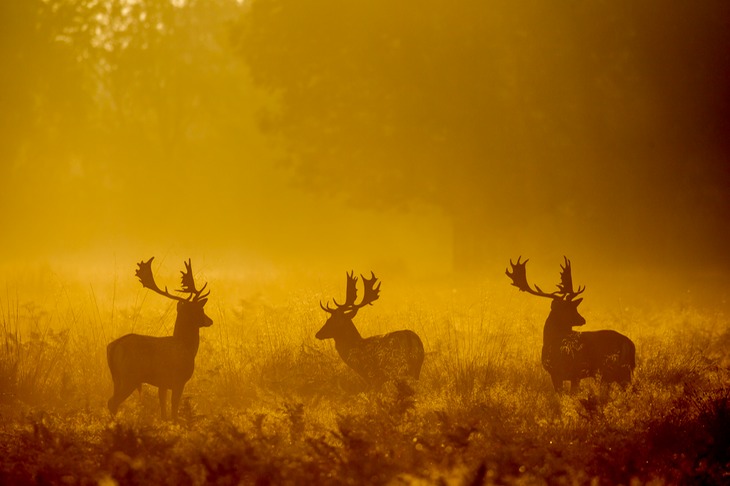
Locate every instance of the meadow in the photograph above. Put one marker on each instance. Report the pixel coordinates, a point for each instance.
(269, 404)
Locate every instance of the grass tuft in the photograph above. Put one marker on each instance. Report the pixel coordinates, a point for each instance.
(269, 404)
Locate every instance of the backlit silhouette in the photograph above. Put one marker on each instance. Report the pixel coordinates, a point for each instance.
(377, 359)
(570, 355)
(164, 362)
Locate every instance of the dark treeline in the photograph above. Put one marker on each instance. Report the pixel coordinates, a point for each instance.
(596, 125)
(597, 129)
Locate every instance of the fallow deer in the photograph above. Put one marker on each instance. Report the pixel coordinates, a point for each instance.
(376, 359)
(165, 362)
(569, 355)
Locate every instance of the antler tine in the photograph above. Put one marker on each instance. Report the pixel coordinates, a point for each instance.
(188, 283)
(351, 293)
(371, 293)
(144, 273)
(518, 275)
(187, 279)
(327, 309)
(565, 287)
(200, 295)
(351, 290)
(575, 294)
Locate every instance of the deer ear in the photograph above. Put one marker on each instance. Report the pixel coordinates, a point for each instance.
(576, 302)
(202, 302)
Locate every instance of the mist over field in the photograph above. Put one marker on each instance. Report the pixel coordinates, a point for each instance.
(279, 144)
(283, 135)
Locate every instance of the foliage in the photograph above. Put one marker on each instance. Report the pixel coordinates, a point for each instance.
(471, 105)
(270, 405)
(100, 101)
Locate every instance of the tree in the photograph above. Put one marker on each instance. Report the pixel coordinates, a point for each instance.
(113, 111)
(32, 103)
(516, 120)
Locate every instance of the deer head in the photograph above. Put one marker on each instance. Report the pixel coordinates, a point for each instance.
(564, 309)
(190, 307)
(342, 314)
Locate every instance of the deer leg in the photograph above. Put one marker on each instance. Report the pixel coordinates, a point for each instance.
(605, 391)
(162, 394)
(176, 395)
(625, 378)
(557, 384)
(121, 393)
(624, 383)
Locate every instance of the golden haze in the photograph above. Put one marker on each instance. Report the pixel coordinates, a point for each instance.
(280, 143)
(277, 136)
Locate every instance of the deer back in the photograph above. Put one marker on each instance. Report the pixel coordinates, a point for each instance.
(386, 357)
(166, 362)
(159, 361)
(377, 358)
(608, 353)
(572, 355)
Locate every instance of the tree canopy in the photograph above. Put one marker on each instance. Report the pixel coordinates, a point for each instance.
(571, 120)
(565, 128)
(117, 108)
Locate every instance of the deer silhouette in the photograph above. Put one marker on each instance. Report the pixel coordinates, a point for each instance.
(569, 355)
(165, 362)
(376, 359)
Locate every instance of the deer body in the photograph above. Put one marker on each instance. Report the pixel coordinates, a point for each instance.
(376, 359)
(165, 362)
(569, 355)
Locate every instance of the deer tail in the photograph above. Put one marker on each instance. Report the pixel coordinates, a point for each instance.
(110, 361)
(632, 355)
(629, 353)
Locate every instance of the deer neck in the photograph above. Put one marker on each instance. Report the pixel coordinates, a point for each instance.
(555, 330)
(347, 339)
(188, 334)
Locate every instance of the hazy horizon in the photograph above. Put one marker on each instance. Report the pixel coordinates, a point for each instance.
(465, 138)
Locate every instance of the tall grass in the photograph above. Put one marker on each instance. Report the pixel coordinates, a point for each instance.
(270, 404)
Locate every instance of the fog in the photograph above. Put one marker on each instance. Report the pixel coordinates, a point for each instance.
(428, 140)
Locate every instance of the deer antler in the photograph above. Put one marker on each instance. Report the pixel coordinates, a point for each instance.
(327, 309)
(370, 294)
(188, 283)
(351, 293)
(519, 280)
(565, 287)
(144, 273)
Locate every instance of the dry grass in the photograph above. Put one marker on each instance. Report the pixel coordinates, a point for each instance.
(268, 404)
